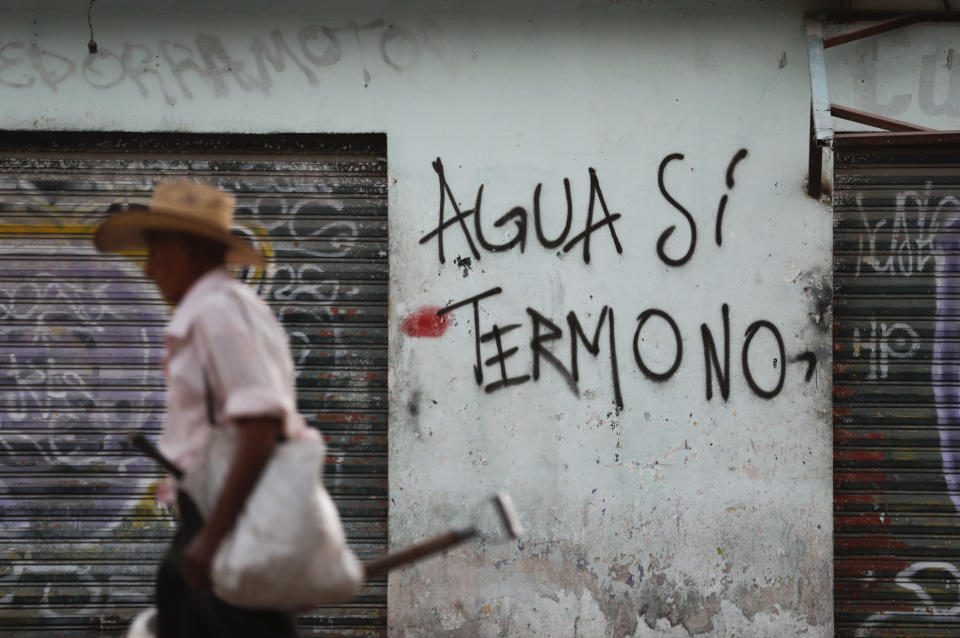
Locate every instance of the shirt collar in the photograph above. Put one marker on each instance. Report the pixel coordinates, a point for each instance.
(189, 307)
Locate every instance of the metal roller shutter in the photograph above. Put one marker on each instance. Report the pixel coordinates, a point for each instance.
(897, 388)
(81, 337)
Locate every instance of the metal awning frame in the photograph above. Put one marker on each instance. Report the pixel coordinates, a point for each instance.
(823, 138)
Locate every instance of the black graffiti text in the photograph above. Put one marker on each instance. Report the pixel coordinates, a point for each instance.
(544, 331)
(467, 222)
(721, 209)
(519, 217)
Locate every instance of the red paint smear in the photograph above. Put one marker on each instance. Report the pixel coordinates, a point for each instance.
(872, 567)
(856, 499)
(842, 392)
(843, 437)
(862, 521)
(425, 323)
(882, 541)
(858, 455)
(841, 479)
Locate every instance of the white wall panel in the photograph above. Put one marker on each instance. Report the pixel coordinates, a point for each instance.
(674, 513)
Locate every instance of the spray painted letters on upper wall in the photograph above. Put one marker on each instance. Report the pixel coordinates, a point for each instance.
(175, 70)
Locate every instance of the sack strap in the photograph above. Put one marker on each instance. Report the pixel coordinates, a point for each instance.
(209, 398)
(210, 409)
(208, 392)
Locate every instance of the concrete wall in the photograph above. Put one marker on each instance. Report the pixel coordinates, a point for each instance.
(659, 499)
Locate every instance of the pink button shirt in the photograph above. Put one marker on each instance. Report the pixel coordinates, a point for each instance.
(223, 329)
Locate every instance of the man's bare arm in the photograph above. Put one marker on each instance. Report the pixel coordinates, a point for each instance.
(256, 439)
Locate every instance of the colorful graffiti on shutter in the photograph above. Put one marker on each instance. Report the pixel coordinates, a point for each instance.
(80, 370)
(897, 393)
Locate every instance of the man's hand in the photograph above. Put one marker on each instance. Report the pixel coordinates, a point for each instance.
(256, 438)
(197, 561)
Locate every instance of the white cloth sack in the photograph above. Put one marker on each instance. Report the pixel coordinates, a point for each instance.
(144, 625)
(287, 550)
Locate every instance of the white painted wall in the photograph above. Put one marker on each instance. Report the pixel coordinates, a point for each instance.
(673, 515)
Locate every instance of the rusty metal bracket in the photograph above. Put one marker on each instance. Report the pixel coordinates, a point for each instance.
(872, 119)
(822, 133)
(814, 164)
(847, 16)
(882, 26)
(887, 140)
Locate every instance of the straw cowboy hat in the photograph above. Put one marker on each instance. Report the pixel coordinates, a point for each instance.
(181, 206)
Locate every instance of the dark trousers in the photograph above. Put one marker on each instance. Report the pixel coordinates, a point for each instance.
(184, 612)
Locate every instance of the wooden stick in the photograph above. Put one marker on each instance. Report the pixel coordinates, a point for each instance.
(141, 443)
(417, 551)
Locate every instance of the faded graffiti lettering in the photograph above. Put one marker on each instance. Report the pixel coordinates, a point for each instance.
(939, 77)
(945, 371)
(938, 83)
(70, 385)
(175, 70)
(905, 244)
(299, 283)
(866, 89)
(53, 590)
(896, 390)
(11, 61)
(927, 581)
(885, 341)
(80, 369)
